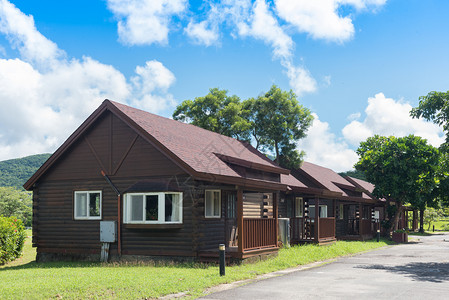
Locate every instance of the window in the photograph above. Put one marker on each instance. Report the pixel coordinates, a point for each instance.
(212, 204)
(323, 211)
(299, 207)
(341, 212)
(152, 208)
(87, 205)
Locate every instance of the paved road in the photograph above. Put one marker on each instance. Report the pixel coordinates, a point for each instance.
(418, 270)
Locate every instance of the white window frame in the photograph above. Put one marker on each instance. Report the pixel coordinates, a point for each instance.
(206, 205)
(161, 208)
(87, 217)
(299, 207)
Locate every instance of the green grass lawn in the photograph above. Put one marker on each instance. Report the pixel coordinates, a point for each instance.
(440, 225)
(26, 279)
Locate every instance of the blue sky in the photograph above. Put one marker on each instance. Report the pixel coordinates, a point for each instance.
(359, 65)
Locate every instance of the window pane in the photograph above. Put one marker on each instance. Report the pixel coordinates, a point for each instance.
(136, 208)
(312, 211)
(168, 207)
(151, 213)
(94, 204)
(173, 208)
(216, 204)
(209, 204)
(299, 207)
(323, 211)
(80, 205)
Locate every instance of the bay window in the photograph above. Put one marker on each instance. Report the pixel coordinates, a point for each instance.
(152, 208)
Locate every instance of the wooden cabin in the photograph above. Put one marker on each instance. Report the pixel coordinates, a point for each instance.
(363, 219)
(327, 207)
(173, 189)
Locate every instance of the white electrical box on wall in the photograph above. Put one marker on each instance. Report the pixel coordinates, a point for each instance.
(108, 231)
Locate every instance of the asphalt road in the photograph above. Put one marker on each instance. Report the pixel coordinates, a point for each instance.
(417, 270)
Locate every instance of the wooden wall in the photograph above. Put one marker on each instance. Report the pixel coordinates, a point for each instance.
(127, 158)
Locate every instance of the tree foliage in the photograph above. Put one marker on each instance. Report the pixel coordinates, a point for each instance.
(216, 112)
(15, 172)
(16, 203)
(431, 215)
(278, 122)
(401, 168)
(274, 121)
(434, 107)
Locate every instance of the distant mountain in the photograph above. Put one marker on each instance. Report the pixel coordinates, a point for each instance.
(15, 172)
(355, 174)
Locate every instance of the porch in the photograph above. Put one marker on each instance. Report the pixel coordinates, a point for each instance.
(314, 221)
(356, 222)
(250, 226)
(303, 230)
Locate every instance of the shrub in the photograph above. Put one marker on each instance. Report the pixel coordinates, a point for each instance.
(12, 238)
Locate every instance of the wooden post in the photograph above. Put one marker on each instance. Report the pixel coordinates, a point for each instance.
(334, 203)
(317, 219)
(275, 213)
(240, 219)
(415, 220)
(360, 218)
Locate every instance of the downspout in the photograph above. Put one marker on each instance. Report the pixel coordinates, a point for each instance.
(117, 192)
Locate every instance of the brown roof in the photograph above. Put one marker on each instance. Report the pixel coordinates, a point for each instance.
(367, 186)
(326, 178)
(202, 153)
(197, 147)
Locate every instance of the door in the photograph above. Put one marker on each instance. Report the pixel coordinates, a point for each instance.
(231, 218)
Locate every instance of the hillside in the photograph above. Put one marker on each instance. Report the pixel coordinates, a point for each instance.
(15, 172)
(355, 174)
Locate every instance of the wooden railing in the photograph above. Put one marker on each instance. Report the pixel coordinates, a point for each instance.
(327, 228)
(299, 232)
(259, 233)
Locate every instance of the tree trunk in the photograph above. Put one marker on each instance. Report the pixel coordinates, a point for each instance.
(399, 210)
(421, 220)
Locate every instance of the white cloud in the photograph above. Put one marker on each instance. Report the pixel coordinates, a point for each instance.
(386, 116)
(150, 86)
(322, 147)
(201, 34)
(321, 19)
(261, 24)
(143, 22)
(23, 35)
(41, 107)
(354, 116)
(300, 79)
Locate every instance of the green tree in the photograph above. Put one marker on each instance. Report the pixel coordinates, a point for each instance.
(402, 170)
(275, 121)
(16, 203)
(434, 107)
(278, 122)
(431, 215)
(216, 112)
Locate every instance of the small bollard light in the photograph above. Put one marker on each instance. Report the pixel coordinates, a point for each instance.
(221, 251)
(378, 235)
